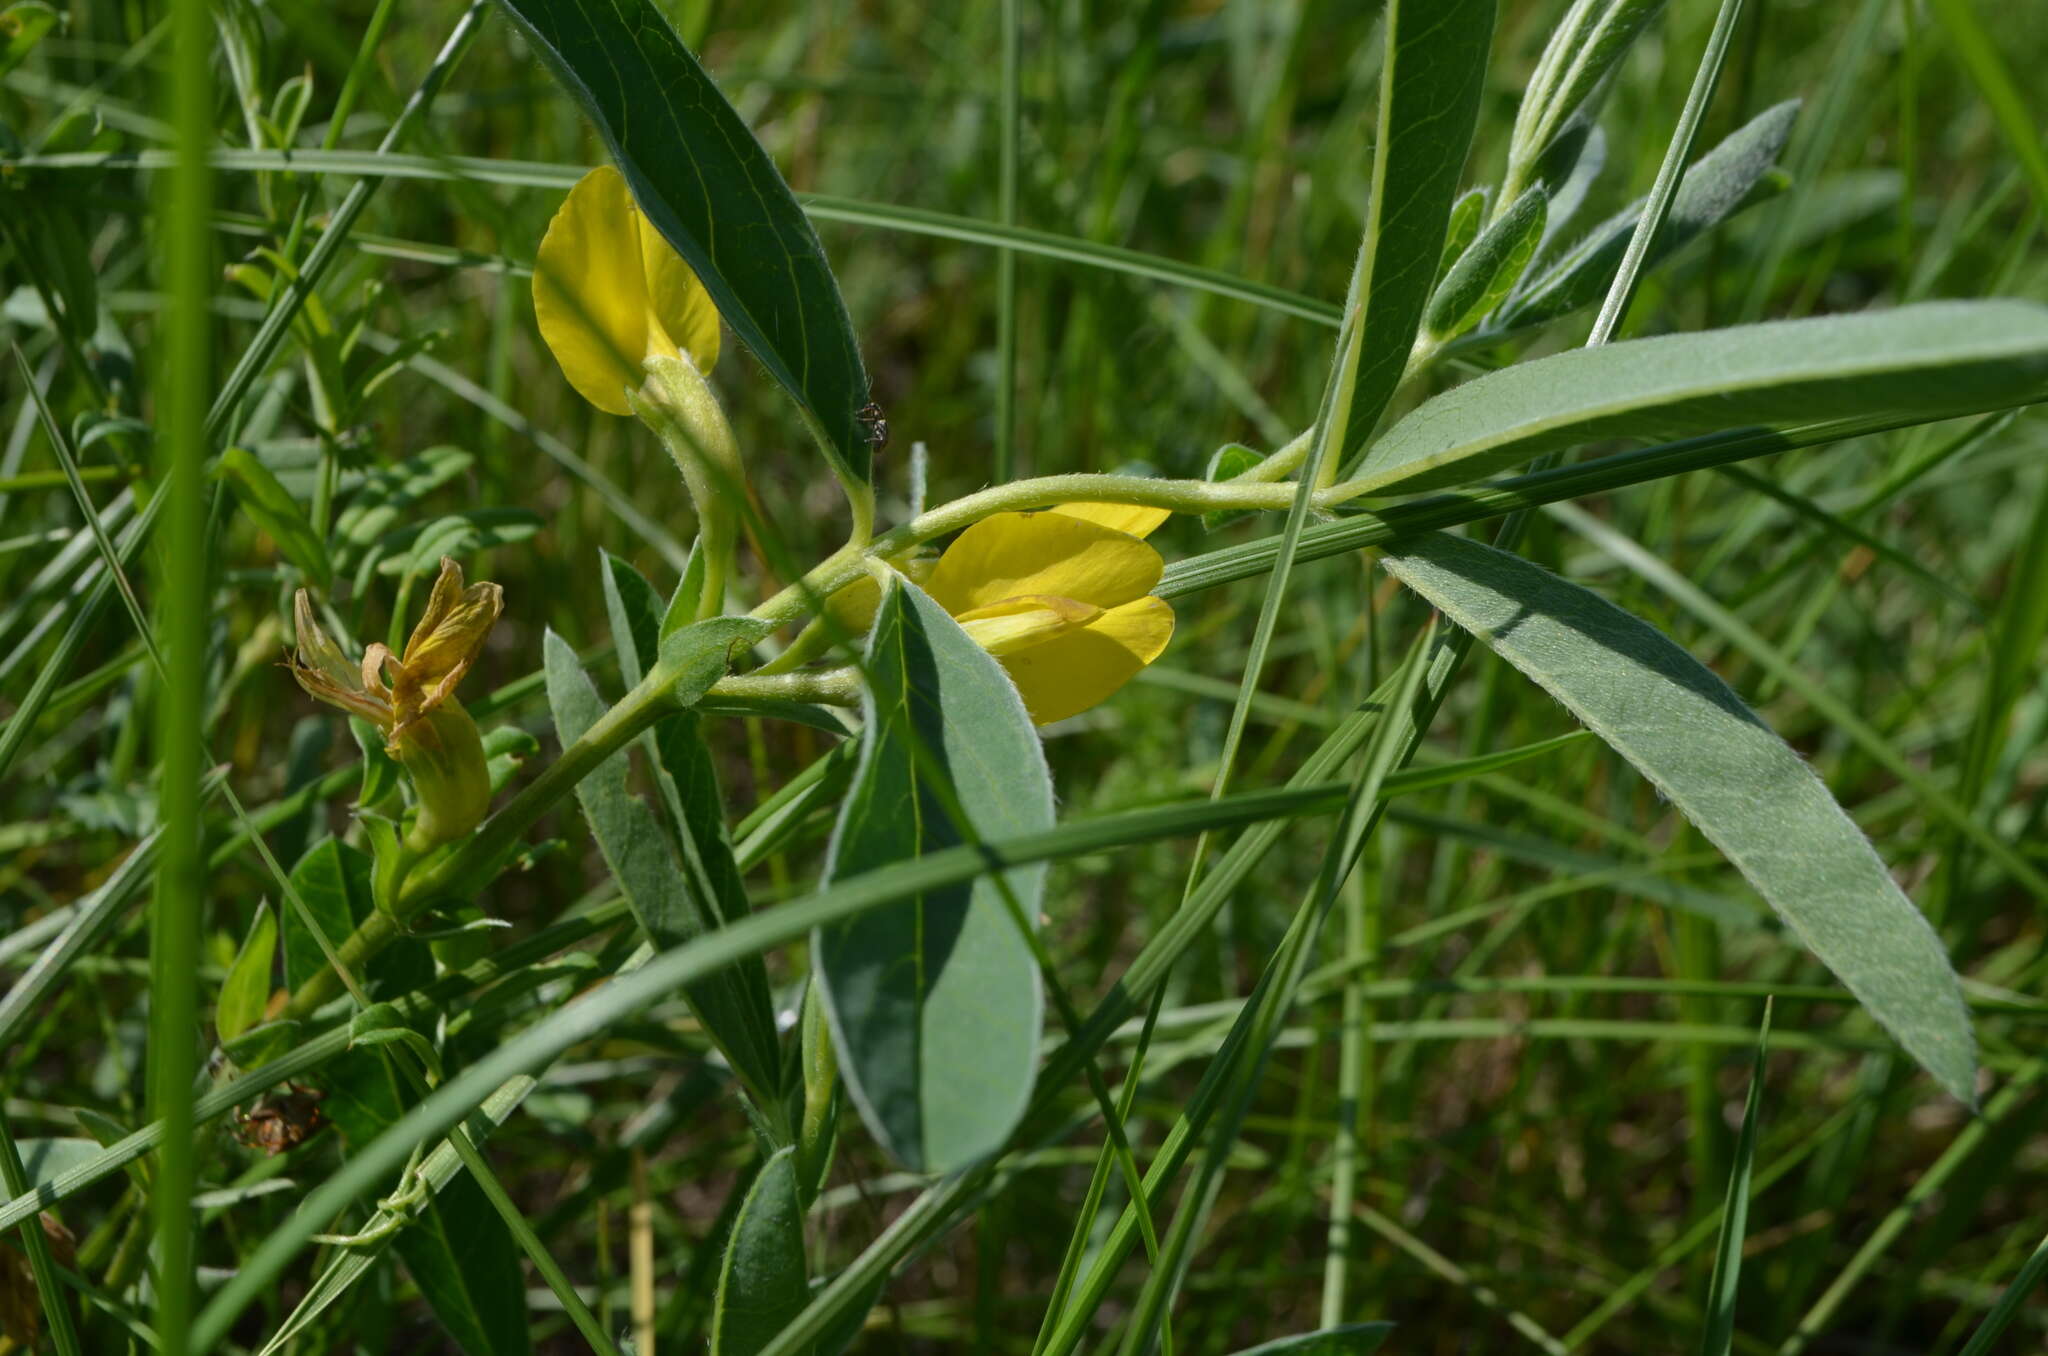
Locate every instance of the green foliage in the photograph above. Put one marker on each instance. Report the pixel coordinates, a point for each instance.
(1331, 983)
(273, 509)
(672, 904)
(1734, 175)
(246, 989)
(1485, 272)
(762, 1284)
(1742, 786)
(1927, 361)
(935, 1003)
(1436, 68)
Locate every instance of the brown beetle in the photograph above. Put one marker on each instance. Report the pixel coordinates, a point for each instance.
(276, 1124)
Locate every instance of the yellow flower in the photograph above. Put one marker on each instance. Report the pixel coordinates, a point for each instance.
(636, 333)
(609, 293)
(411, 698)
(1062, 598)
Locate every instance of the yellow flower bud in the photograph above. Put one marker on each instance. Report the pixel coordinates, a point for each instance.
(636, 333)
(610, 293)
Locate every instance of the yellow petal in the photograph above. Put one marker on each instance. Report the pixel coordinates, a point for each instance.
(609, 292)
(318, 654)
(1013, 554)
(1135, 519)
(1019, 623)
(677, 301)
(325, 674)
(449, 636)
(1070, 673)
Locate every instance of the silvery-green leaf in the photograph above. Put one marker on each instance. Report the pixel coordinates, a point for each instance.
(1747, 790)
(934, 1001)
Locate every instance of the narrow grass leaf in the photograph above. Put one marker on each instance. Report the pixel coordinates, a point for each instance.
(1749, 792)
(1917, 362)
(1984, 1341)
(713, 192)
(1353, 1339)
(935, 1002)
(1719, 1337)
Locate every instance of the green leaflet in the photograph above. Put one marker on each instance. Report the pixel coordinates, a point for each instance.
(692, 805)
(672, 905)
(1732, 176)
(271, 507)
(246, 989)
(934, 1002)
(1917, 362)
(762, 1284)
(1489, 269)
(1436, 70)
(22, 26)
(44, 1160)
(713, 192)
(1754, 798)
(1467, 213)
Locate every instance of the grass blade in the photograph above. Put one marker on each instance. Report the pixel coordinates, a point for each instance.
(1719, 1338)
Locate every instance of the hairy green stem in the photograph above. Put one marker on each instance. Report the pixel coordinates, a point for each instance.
(1181, 496)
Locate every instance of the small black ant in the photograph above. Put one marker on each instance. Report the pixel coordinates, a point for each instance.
(874, 424)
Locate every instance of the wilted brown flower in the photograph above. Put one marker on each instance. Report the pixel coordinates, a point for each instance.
(410, 698)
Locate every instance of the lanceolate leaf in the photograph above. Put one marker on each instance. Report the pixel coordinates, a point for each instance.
(762, 1284)
(1717, 186)
(1748, 791)
(934, 1001)
(271, 507)
(1921, 362)
(1436, 68)
(247, 986)
(1490, 268)
(714, 194)
(671, 904)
